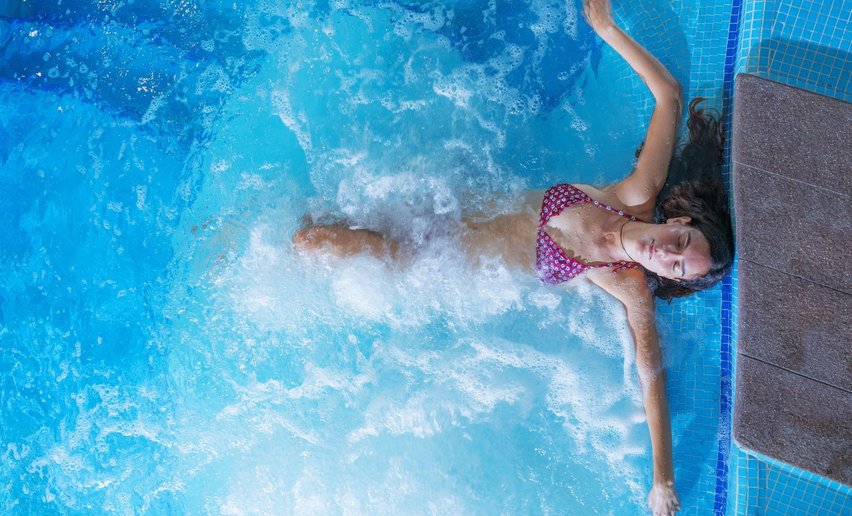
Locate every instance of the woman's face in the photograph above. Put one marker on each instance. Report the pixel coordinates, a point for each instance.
(673, 250)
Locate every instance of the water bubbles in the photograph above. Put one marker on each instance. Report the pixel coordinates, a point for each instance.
(213, 78)
(151, 113)
(408, 20)
(570, 22)
(576, 122)
(281, 102)
(453, 90)
(548, 18)
(141, 196)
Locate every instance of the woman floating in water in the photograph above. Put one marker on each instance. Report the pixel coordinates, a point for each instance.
(627, 238)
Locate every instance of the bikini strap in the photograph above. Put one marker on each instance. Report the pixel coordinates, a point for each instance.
(616, 266)
(609, 208)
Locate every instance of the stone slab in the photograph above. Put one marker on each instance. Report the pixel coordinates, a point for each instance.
(792, 178)
(794, 419)
(792, 227)
(795, 324)
(793, 133)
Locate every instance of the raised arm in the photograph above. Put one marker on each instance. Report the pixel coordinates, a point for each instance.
(640, 189)
(630, 288)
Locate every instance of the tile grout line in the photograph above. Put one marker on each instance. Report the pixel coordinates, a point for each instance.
(797, 373)
(787, 273)
(781, 176)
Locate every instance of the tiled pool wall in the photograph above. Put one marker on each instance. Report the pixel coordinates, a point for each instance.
(805, 44)
(802, 44)
(696, 52)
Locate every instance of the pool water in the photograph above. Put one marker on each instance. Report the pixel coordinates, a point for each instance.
(165, 351)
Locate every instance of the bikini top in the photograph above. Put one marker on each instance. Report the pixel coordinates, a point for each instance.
(551, 262)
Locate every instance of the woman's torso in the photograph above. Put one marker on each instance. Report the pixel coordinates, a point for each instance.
(578, 230)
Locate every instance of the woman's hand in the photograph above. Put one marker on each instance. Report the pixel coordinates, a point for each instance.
(598, 14)
(663, 500)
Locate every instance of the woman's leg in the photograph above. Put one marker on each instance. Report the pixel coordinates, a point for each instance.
(341, 241)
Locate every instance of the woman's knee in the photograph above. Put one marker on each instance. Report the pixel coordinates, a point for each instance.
(342, 241)
(302, 239)
(314, 238)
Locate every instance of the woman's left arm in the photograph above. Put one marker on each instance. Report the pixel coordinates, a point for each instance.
(630, 288)
(640, 188)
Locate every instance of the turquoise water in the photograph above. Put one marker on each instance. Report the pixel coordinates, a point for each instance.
(163, 349)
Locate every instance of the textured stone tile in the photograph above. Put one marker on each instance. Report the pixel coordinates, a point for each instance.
(795, 324)
(799, 421)
(793, 133)
(792, 227)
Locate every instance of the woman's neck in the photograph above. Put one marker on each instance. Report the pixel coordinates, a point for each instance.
(617, 237)
(621, 240)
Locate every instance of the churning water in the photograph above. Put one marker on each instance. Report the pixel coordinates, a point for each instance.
(162, 347)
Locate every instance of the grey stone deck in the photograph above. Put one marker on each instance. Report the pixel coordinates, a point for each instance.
(792, 175)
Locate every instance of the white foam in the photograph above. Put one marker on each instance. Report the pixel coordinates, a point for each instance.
(548, 18)
(576, 123)
(569, 22)
(403, 203)
(363, 286)
(470, 84)
(155, 105)
(141, 196)
(544, 298)
(469, 381)
(294, 121)
(408, 21)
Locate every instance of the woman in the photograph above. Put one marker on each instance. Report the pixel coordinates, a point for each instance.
(608, 235)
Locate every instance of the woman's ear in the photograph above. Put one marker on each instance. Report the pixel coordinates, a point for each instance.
(686, 219)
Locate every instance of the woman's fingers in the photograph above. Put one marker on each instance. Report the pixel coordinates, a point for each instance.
(598, 13)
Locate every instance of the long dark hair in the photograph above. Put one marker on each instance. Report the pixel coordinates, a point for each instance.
(694, 188)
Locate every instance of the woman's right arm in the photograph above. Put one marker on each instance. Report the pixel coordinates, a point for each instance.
(640, 189)
(630, 288)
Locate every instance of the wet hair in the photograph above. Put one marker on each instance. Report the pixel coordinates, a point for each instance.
(694, 188)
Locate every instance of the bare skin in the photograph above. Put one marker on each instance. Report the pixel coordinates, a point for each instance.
(589, 234)
(341, 241)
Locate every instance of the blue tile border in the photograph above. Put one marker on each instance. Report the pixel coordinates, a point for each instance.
(720, 504)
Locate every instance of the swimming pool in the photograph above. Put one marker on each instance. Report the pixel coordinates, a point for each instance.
(167, 353)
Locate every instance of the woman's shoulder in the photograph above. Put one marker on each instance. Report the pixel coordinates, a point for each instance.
(609, 195)
(628, 286)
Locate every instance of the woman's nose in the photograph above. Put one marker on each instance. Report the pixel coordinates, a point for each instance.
(669, 249)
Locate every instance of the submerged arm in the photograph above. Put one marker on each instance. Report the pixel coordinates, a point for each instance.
(649, 176)
(630, 288)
